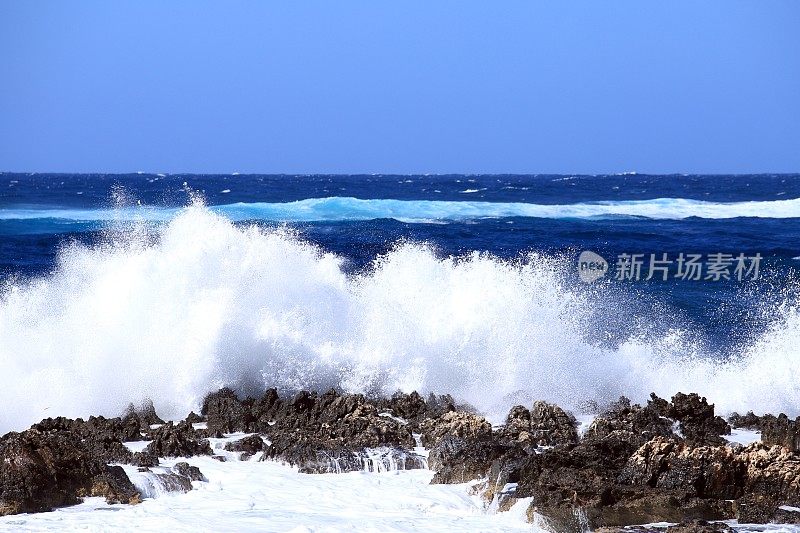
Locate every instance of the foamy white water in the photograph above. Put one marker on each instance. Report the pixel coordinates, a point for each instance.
(346, 208)
(209, 304)
(267, 496)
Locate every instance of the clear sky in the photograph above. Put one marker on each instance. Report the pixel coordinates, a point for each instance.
(403, 87)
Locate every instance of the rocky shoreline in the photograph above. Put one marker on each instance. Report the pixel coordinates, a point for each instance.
(666, 461)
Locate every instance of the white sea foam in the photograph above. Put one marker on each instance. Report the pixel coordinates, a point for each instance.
(207, 304)
(268, 496)
(344, 208)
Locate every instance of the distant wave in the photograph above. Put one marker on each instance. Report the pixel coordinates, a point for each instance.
(345, 208)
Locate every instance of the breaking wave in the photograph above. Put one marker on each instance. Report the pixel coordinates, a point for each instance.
(342, 209)
(204, 303)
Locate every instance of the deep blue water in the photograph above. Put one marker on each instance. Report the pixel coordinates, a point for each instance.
(506, 215)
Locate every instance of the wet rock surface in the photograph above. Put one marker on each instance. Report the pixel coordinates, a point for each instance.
(781, 431)
(41, 470)
(192, 473)
(699, 526)
(310, 430)
(114, 485)
(665, 461)
(177, 440)
(248, 446)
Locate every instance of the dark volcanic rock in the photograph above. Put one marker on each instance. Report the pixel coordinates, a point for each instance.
(458, 460)
(145, 414)
(749, 421)
(665, 461)
(225, 413)
(249, 446)
(194, 418)
(144, 459)
(42, 470)
(756, 509)
(551, 425)
(103, 436)
(701, 471)
(466, 426)
(630, 466)
(700, 526)
(772, 471)
(634, 424)
(177, 441)
(695, 416)
(114, 485)
(697, 419)
(414, 409)
(781, 431)
(544, 425)
(191, 472)
(329, 432)
(174, 482)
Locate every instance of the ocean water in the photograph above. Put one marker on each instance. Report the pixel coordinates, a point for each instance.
(117, 288)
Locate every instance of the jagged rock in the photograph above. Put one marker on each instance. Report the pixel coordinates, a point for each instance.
(225, 413)
(145, 414)
(194, 418)
(410, 407)
(750, 421)
(177, 441)
(772, 471)
(456, 424)
(702, 471)
(457, 459)
(174, 482)
(518, 419)
(760, 477)
(144, 459)
(781, 431)
(786, 514)
(697, 419)
(362, 428)
(756, 509)
(700, 526)
(266, 408)
(114, 485)
(191, 472)
(96, 427)
(108, 451)
(565, 479)
(594, 477)
(249, 446)
(633, 424)
(415, 409)
(633, 507)
(42, 470)
(544, 425)
(551, 425)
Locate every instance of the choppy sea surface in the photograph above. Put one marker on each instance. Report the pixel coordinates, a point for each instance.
(121, 287)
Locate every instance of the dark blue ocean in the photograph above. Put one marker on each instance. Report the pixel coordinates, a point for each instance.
(440, 266)
(38, 212)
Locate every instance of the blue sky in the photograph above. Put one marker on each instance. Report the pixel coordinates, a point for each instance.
(403, 87)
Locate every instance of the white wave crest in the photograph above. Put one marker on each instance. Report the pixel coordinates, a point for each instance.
(343, 208)
(208, 304)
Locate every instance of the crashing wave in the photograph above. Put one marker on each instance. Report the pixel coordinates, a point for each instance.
(204, 303)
